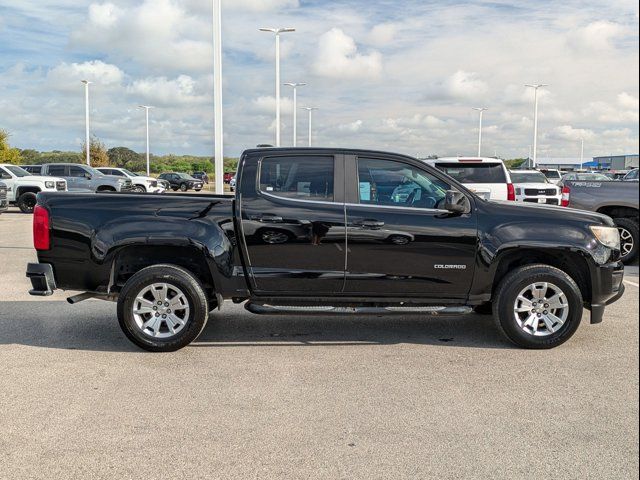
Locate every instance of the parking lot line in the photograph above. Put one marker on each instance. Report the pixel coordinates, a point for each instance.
(631, 283)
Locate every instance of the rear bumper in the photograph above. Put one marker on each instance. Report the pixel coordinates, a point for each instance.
(606, 288)
(42, 279)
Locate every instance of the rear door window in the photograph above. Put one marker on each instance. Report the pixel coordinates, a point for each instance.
(474, 172)
(299, 177)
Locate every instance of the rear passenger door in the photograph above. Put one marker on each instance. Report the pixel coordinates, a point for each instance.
(293, 223)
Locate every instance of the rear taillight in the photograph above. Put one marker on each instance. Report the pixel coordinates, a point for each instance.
(511, 192)
(41, 236)
(566, 194)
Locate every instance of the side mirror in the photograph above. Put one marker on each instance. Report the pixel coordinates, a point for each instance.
(87, 176)
(456, 202)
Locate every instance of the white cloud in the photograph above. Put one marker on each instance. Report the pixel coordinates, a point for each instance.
(628, 101)
(382, 34)
(66, 76)
(260, 5)
(466, 85)
(351, 127)
(161, 91)
(266, 105)
(338, 57)
(104, 15)
(597, 35)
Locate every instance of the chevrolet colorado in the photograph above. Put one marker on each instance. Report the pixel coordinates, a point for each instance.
(328, 231)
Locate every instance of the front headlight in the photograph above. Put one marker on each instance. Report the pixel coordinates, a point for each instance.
(49, 184)
(607, 236)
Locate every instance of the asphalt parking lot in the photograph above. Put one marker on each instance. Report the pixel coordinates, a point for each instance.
(316, 397)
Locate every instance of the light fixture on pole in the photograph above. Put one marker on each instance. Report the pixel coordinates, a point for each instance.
(581, 153)
(310, 110)
(86, 120)
(535, 119)
(480, 110)
(217, 98)
(146, 115)
(295, 108)
(277, 32)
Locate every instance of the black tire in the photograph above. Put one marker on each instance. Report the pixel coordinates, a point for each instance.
(106, 189)
(174, 276)
(505, 300)
(183, 187)
(198, 189)
(627, 225)
(139, 189)
(27, 202)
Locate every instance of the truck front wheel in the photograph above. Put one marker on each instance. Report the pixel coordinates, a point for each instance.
(628, 238)
(538, 306)
(27, 202)
(162, 308)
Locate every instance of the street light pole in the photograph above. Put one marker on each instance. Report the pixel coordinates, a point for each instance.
(310, 110)
(295, 109)
(146, 115)
(480, 110)
(535, 119)
(217, 98)
(277, 32)
(581, 153)
(86, 120)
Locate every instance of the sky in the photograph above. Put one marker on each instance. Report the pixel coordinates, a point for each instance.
(397, 75)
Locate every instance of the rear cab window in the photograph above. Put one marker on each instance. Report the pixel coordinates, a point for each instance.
(480, 172)
(298, 177)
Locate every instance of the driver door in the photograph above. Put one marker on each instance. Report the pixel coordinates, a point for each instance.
(399, 240)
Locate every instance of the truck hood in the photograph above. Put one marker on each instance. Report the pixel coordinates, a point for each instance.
(538, 211)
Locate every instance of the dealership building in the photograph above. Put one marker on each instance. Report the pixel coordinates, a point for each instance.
(611, 162)
(616, 162)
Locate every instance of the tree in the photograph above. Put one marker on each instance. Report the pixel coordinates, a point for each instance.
(514, 162)
(97, 151)
(30, 156)
(122, 157)
(8, 154)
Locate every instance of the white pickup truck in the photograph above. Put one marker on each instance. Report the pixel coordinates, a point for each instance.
(22, 187)
(486, 177)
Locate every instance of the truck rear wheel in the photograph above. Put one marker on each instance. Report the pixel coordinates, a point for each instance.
(27, 202)
(162, 308)
(538, 306)
(628, 238)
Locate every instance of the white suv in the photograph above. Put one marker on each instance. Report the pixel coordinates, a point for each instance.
(22, 187)
(487, 177)
(141, 184)
(534, 187)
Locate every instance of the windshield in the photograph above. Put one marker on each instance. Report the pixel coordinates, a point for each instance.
(474, 172)
(528, 177)
(93, 171)
(127, 172)
(17, 171)
(184, 175)
(553, 174)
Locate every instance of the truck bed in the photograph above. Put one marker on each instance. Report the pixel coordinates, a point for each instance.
(92, 235)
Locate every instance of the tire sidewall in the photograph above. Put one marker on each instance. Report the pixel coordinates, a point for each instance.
(23, 202)
(514, 285)
(198, 308)
(183, 187)
(632, 228)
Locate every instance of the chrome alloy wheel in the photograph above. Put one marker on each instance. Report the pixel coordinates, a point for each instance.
(161, 310)
(541, 309)
(626, 241)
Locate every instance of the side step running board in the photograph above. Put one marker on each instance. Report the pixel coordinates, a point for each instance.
(266, 309)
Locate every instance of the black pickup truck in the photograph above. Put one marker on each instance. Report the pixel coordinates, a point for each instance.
(328, 231)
